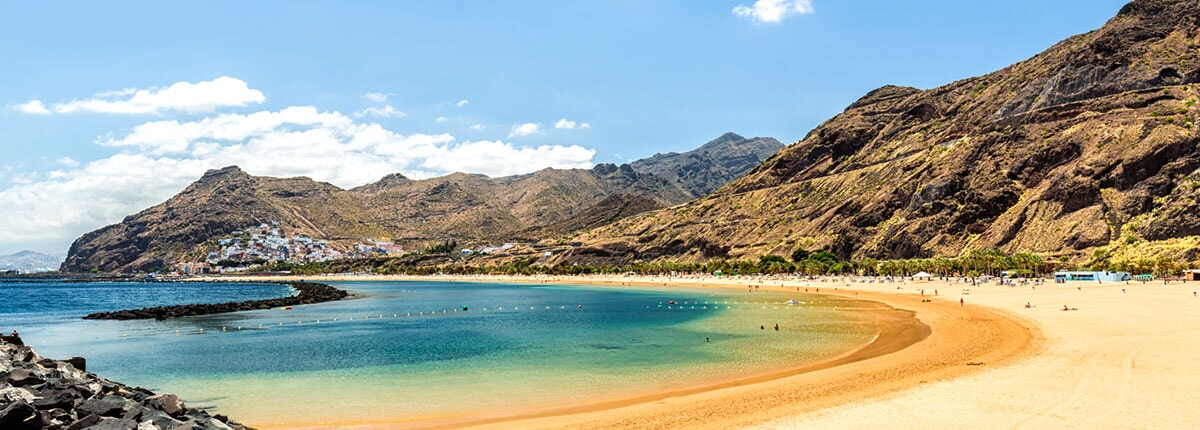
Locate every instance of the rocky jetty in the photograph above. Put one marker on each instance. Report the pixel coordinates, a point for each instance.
(309, 293)
(42, 393)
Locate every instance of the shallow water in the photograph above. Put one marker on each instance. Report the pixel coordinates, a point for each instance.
(430, 350)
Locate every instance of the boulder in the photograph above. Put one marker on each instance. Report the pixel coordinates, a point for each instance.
(12, 394)
(160, 419)
(23, 377)
(108, 423)
(79, 363)
(20, 415)
(85, 422)
(107, 406)
(64, 399)
(57, 418)
(168, 403)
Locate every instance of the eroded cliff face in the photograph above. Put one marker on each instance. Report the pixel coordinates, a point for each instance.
(1091, 143)
(546, 203)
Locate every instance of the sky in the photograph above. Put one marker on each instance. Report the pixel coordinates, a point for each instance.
(108, 108)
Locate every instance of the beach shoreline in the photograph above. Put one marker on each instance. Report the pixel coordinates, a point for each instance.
(949, 336)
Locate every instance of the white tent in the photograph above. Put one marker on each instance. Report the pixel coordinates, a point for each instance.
(923, 275)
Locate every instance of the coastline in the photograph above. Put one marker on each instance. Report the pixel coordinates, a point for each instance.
(950, 336)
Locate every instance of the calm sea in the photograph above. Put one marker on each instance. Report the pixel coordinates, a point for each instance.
(431, 350)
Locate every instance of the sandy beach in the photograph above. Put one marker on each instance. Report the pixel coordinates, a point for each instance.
(1122, 357)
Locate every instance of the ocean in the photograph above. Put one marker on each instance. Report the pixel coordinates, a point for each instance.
(420, 351)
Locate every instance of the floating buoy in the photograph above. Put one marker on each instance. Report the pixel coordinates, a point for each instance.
(124, 335)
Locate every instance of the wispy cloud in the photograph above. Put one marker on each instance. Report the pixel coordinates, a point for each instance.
(567, 124)
(462, 103)
(377, 97)
(441, 119)
(387, 111)
(773, 11)
(525, 129)
(478, 127)
(199, 97)
(67, 161)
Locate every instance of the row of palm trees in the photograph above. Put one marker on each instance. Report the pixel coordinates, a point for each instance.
(973, 263)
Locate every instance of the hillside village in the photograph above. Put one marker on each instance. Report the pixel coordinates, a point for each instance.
(269, 243)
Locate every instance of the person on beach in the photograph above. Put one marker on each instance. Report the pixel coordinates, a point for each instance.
(762, 327)
(960, 302)
(776, 326)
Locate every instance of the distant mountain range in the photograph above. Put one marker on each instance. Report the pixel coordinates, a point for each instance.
(414, 213)
(29, 261)
(1086, 151)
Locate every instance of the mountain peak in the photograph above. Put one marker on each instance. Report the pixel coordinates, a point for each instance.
(224, 172)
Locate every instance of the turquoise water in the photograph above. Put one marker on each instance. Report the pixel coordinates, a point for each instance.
(409, 350)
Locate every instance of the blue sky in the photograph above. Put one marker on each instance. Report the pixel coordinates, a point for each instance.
(109, 108)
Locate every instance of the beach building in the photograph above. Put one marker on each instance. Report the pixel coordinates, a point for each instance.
(1191, 275)
(1102, 276)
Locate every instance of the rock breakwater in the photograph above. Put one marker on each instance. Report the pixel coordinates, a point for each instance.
(309, 293)
(42, 393)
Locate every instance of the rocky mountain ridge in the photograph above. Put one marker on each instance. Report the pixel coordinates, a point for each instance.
(467, 207)
(1086, 150)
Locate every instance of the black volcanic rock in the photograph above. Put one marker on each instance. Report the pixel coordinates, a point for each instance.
(70, 398)
(309, 293)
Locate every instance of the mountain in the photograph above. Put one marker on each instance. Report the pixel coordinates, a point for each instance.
(413, 213)
(712, 165)
(1087, 150)
(29, 261)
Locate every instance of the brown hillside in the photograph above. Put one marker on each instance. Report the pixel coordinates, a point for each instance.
(414, 213)
(1092, 143)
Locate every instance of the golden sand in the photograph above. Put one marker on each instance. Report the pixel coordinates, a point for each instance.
(950, 343)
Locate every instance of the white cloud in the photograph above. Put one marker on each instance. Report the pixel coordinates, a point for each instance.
(33, 107)
(773, 11)
(441, 119)
(387, 111)
(377, 97)
(569, 125)
(160, 158)
(525, 129)
(478, 127)
(200, 97)
(502, 159)
(462, 103)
